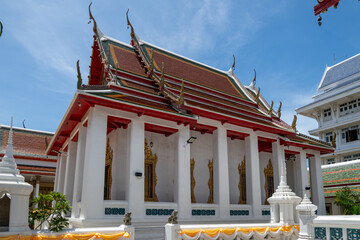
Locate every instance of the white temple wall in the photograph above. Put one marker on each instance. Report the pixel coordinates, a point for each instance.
(118, 143)
(165, 149)
(202, 152)
(236, 153)
(264, 161)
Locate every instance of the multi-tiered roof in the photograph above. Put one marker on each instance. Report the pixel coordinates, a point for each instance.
(149, 80)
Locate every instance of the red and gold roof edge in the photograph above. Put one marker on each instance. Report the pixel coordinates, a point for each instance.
(324, 5)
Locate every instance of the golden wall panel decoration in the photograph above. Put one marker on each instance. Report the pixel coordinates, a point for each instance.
(269, 181)
(108, 167)
(242, 182)
(211, 181)
(150, 175)
(193, 183)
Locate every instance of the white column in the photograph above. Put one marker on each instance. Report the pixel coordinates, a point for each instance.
(317, 189)
(57, 173)
(135, 163)
(70, 171)
(19, 209)
(60, 185)
(278, 156)
(221, 172)
(37, 186)
(79, 170)
(92, 198)
(253, 188)
(302, 176)
(182, 174)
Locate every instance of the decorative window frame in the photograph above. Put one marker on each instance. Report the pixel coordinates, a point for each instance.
(242, 184)
(150, 159)
(108, 169)
(268, 172)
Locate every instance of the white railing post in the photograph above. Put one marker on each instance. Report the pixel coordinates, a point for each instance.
(306, 211)
(172, 231)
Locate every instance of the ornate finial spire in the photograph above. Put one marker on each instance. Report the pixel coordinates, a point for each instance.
(79, 82)
(279, 110)
(293, 125)
(8, 161)
(93, 19)
(254, 80)
(271, 108)
(129, 24)
(181, 97)
(162, 81)
(233, 65)
(258, 97)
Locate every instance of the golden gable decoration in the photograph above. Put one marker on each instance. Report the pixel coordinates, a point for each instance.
(108, 167)
(211, 181)
(242, 181)
(193, 183)
(269, 181)
(150, 175)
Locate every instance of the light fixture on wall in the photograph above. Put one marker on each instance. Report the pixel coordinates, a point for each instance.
(151, 142)
(190, 140)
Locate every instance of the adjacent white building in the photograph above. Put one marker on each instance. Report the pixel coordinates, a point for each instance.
(336, 108)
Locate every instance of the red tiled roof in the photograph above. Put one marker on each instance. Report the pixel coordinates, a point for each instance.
(25, 142)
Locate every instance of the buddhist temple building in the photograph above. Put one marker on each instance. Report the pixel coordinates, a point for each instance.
(153, 131)
(34, 164)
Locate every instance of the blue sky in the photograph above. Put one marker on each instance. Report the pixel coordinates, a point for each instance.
(42, 40)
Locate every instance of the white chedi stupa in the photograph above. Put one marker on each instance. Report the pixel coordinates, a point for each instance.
(12, 185)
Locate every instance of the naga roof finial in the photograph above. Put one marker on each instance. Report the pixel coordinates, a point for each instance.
(279, 110)
(254, 80)
(293, 125)
(181, 97)
(162, 81)
(233, 65)
(271, 108)
(129, 24)
(93, 19)
(79, 79)
(258, 96)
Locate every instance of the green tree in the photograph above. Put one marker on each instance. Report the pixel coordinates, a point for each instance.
(348, 200)
(51, 209)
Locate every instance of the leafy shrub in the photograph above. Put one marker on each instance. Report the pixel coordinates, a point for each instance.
(49, 209)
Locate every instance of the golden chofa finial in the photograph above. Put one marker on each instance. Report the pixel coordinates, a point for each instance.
(271, 108)
(293, 125)
(257, 99)
(132, 33)
(79, 81)
(92, 19)
(233, 65)
(254, 80)
(279, 110)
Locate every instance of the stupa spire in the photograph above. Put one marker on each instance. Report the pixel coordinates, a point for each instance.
(8, 163)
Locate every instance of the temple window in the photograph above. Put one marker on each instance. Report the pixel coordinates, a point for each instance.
(327, 114)
(269, 181)
(5, 210)
(150, 175)
(350, 134)
(329, 137)
(108, 176)
(330, 160)
(347, 158)
(242, 182)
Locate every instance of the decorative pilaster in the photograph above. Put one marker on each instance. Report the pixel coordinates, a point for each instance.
(70, 171)
(79, 171)
(221, 172)
(253, 188)
(94, 166)
(182, 178)
(135, 163)
(316, 179)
